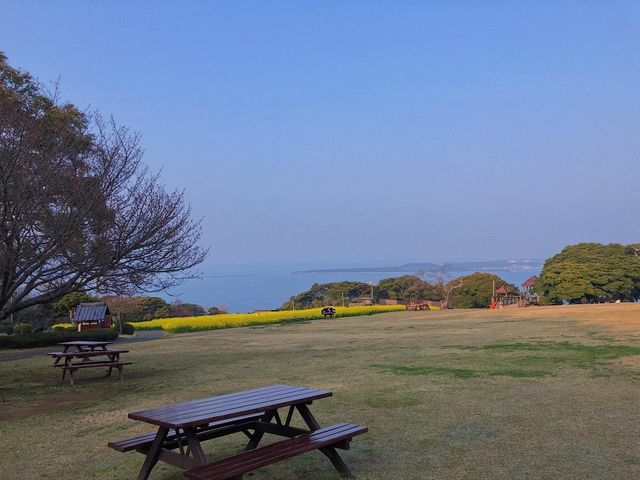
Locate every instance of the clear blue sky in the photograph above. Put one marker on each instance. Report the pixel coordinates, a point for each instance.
(364, 132)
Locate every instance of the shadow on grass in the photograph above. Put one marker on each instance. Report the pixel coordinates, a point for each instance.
(576, 354)
(461, 372)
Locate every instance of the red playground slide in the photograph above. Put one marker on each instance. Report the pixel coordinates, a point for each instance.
(493, 305)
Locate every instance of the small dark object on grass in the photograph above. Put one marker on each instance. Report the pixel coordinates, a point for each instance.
(328, 312)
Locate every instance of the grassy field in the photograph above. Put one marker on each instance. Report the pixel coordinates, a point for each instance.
(545, 393)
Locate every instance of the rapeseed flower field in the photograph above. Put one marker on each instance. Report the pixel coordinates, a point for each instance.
(229, 320)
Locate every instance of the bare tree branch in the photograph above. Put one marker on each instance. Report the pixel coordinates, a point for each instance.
(78, 209)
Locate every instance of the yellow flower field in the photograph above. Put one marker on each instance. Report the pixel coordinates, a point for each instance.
(212, 322)
(62, 325)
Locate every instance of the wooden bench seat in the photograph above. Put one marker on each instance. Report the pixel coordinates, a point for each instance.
(143, 442)
(253, 459)
(71, 368)
(94, 363)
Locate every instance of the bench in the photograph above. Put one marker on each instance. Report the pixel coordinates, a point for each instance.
(143, 442)
(328, 312)
(72, 367)
(237, 465)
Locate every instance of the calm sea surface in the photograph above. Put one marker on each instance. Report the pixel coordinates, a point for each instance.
(243, 290)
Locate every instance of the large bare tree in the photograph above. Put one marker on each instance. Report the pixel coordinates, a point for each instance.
(78, 209)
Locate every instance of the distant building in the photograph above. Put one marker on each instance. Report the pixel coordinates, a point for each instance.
(387, 301)
(362, 302)
(88, 316)
(529, 283)
(526, 289)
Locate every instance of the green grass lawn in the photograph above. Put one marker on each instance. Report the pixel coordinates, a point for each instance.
(544, 393)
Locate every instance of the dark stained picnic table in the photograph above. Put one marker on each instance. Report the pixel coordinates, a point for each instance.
(184, 426)
(86, 352)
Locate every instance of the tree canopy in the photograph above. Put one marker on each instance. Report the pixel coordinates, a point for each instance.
(407, 287)
(71, 301)
(591, 272)
(476, 290)
(138, 309)
(321, 294)
(78, 209)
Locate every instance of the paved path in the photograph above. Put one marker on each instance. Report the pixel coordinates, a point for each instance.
(141, 336)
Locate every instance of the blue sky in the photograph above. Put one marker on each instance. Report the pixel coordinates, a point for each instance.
(365, 132)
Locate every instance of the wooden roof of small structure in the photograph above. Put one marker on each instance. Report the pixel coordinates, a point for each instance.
(530, 281)
(504, 290)
(91, 312)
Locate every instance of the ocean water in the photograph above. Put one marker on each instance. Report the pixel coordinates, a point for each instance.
(246, 288)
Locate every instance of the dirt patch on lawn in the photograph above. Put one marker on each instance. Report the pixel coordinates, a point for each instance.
(16, 407)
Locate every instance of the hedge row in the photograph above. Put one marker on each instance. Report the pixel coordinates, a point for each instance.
(44, 339)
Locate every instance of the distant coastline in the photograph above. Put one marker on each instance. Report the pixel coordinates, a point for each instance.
(430, 268)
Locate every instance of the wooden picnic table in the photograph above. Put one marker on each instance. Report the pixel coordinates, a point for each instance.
(183, 427)
(85, 352)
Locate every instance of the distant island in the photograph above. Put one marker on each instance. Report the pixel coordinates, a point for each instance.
(430, 268)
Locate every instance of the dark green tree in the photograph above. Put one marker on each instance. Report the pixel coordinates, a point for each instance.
(476, 290)
(407, 287)
(137, 309)
(70, 301)
(335, 293)
(180, 309)
(591, 272)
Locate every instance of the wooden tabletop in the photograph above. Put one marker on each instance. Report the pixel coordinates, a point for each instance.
(201, 412)
(93, 353)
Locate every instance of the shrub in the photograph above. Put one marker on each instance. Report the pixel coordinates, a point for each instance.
(8, 329)
(44, 339)
(127, 328)
(21, 328)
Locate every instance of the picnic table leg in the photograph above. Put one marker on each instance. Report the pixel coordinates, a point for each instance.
(113, 358)
(194, 446)
(257, 435)
(153, 454)
(337, 462)
(330, 452)
(66, 364)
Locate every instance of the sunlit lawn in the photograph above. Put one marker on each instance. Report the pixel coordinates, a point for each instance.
(541, 393)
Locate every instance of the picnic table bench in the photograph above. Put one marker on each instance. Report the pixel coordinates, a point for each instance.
(417, 305)
(85, 352)
(182, 428)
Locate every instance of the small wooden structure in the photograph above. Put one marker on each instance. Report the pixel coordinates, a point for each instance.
(505, 295)
(92, 315)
